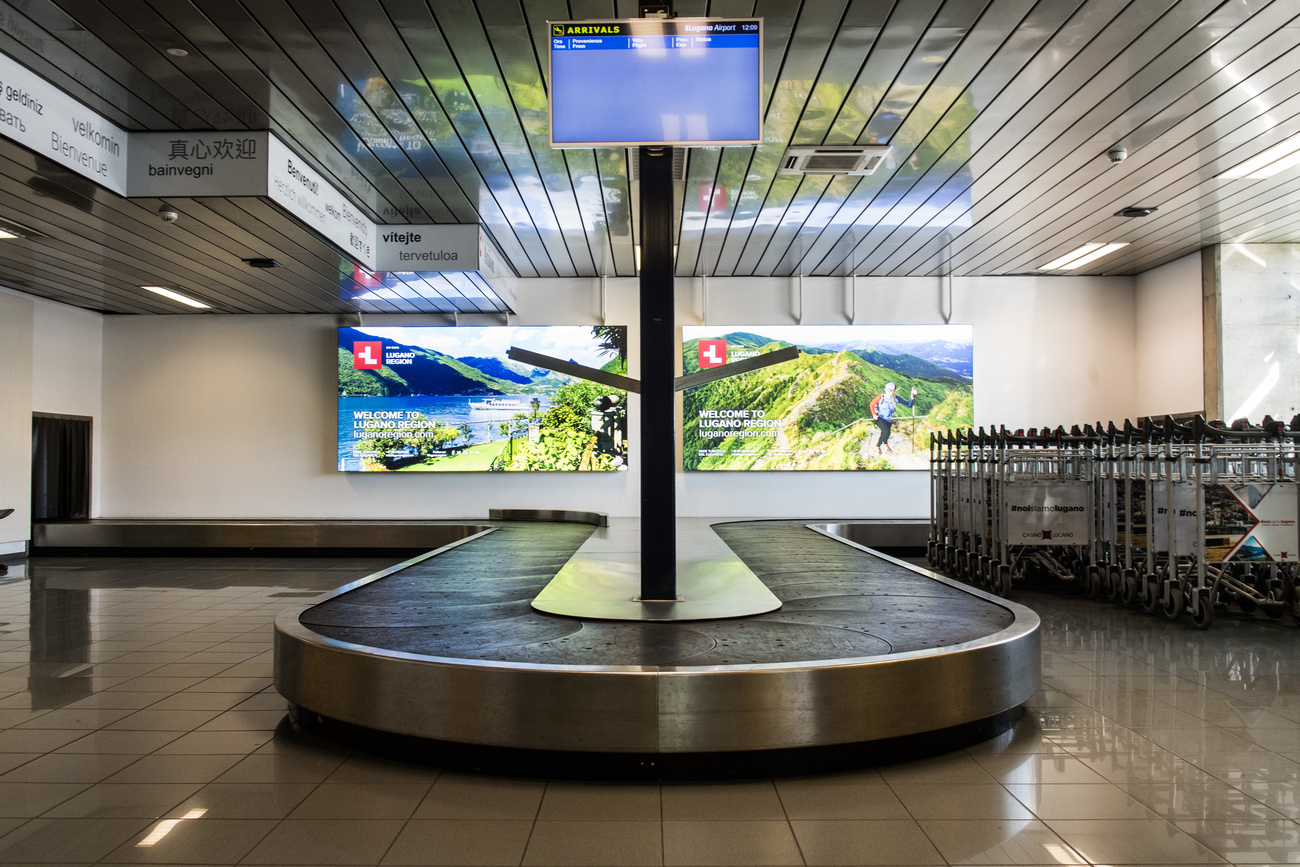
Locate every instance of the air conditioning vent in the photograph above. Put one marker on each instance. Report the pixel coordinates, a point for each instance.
(833, 160)
(634, 164)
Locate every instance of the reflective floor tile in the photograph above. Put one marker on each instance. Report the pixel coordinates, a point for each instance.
(884, 842)
(1271, 841)
(951, 768)
(154, 720)
(196, 840)
(69, 768)
(1038, 768)
(361, 801)
(36, 740)
(600, 801)
(131, 743)
(218, 701)
(245, 685)
(361, 769)
(463, 796)
(1208, 799)
(736, 801)
(22, 800)
(725, 842)
(175, 769)
(85, 719)
(998, 842)
(123, 801)
(1132, 841)
(282, 768)
(463, 842)
(326, 841)
(246, 720)
(959, 801)
(1080, 801)
(60, 840)
(204, 742)
(595, 844)
(243, 800)
(828, 801)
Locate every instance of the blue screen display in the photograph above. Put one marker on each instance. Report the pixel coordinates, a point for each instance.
(648, 81)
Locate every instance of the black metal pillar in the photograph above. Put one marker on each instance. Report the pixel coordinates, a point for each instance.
(658, 346)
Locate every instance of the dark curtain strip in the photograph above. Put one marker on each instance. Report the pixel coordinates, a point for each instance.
(60, 468)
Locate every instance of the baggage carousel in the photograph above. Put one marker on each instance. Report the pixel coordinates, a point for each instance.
(444, 659)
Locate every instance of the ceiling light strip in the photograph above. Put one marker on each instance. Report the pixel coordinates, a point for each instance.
(1082, 256)
(1058, 264)
(1276, 159)
(176, 296)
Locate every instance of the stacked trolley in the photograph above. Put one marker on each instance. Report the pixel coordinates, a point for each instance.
(1177, 518)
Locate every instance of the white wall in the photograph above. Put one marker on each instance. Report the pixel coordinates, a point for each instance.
(208, 415)
(15, 421)
(67, 371)
(1048, 350)
(235, 416)
(1169, 367)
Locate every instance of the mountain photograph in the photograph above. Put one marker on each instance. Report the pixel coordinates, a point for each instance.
(816, 412)
(449, 399)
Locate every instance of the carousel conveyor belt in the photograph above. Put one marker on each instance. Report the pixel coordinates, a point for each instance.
(864, 649)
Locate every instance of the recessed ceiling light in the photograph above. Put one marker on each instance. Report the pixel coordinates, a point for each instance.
(176, 296)
(178, 52)
(10, 230)
(1276, 159)
(1082, 256)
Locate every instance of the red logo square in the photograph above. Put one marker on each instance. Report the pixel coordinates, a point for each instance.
(367, 354)
(713, 353)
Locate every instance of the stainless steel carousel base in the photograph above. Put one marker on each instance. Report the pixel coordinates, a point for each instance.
(619, 691)
(603, 580)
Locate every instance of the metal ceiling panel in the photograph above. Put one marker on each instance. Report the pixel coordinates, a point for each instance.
(999, 113)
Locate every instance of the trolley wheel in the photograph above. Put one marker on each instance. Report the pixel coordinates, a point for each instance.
(985, 570)
(1246, 604)
(931, 555)
(1094, 582)
(1113, 585)
(1175, 604)
(1274, 610)
(1128, 587)
(1004, 581)
(1203, 612)
(1152, 603)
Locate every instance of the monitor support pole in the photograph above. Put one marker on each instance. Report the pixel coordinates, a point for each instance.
(658, 350)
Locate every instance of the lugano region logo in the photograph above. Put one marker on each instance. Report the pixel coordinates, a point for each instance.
(713, 353)
(367, 354)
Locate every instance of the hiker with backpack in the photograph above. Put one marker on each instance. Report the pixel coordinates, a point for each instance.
(882, 410)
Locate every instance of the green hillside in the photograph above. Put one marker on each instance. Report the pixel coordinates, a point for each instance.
(812, 413)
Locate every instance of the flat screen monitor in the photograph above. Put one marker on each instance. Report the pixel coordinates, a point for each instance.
(858, 397)
(649, 81)
(444, 399)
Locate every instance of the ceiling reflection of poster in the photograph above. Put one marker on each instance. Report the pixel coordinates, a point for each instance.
(448, 399)
(859, 397)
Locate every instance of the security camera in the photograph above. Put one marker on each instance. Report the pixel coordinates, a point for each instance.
(1117, 154)
(168, 215)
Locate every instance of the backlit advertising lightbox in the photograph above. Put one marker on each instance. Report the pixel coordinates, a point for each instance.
(448, 399)
(651, 81)
(858, 397)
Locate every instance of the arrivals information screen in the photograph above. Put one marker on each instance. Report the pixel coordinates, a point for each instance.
(647, 81)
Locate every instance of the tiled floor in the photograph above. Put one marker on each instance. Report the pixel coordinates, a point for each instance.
(138, 725)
